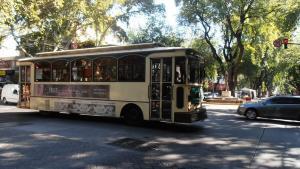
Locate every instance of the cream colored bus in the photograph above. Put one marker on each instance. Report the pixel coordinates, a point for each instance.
(136, 82)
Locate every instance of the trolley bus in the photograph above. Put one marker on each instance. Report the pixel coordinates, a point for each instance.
(135, 82)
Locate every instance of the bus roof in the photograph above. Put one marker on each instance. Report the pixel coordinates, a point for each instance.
(108, 50)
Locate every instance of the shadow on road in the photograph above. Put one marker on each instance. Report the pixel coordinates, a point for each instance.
(30, 116)
(273, 121)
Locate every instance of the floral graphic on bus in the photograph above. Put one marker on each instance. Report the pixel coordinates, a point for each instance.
(103, 109)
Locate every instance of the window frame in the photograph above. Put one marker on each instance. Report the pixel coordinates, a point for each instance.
(35, 71)
(105, 57)
(69, 68)
(184, 74)
(143, 67)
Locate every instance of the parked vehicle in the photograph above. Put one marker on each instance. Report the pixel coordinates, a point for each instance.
(10, 93)
(209, 95)
(248, 93)
(283, 107)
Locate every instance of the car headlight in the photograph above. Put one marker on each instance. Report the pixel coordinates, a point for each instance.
(242, 105)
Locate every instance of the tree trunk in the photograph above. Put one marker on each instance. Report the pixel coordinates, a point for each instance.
(232, 79)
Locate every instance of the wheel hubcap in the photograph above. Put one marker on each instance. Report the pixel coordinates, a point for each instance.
(251, 114)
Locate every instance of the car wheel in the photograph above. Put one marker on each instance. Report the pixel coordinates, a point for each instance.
(251, 114)
(4, 101)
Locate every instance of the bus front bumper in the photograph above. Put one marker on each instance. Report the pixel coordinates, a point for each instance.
(189, 117)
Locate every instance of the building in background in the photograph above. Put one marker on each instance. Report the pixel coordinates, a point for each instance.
(8, 71)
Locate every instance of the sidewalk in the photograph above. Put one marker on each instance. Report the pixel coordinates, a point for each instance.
(13, 109)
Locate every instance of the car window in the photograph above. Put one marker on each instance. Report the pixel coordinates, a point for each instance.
(284, 100)
(278, 100)
(294, 100)
(268, 101)
(15, 92)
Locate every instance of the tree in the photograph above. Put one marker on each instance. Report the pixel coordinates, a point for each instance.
(294, 77)
(211, 67)
(288, 75)
(156, 31)
(5, 12)
(268, 63)
(104, 23)
(55, 24)
(232, 19)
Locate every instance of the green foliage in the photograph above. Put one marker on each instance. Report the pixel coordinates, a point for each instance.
(248, 29)
(211, 66)
(156, 31)
(53, 25)
(288, 70)
(5, 12)
(2, 37)
(87, 44)
(294, 77)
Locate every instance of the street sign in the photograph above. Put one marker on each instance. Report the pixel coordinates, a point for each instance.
(277, 43)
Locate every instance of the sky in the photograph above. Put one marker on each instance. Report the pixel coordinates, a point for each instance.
(138, 22)
(171, 11)
(8, 48)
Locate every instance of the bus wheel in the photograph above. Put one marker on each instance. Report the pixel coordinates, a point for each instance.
(48, 113)
(133, 115)
(74, 114)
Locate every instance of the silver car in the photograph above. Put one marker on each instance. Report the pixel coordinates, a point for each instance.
(281, 107)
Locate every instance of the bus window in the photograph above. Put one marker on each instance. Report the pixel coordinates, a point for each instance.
(194, 71)
(131, 68)
(105, 69)
(167, 70)
(23, 73)
(155, 71)
(42, 71)
(180, 70)
(81, 70)
(60, 71)
(27, 68)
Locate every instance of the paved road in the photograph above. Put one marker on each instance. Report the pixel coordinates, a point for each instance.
(224, 141)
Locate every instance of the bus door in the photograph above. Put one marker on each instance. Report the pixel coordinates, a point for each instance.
(25, 86)
(161, 89)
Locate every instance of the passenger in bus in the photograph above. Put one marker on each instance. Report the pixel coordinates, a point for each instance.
(26, 93)
(98, 73)
(74, 72)
(178, 75)
(87, 73)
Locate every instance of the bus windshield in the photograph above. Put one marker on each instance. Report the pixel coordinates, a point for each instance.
(194, 70)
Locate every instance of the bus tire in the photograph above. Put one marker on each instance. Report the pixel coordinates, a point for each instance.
(132, 115)
(48, 113)
(74, 114)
